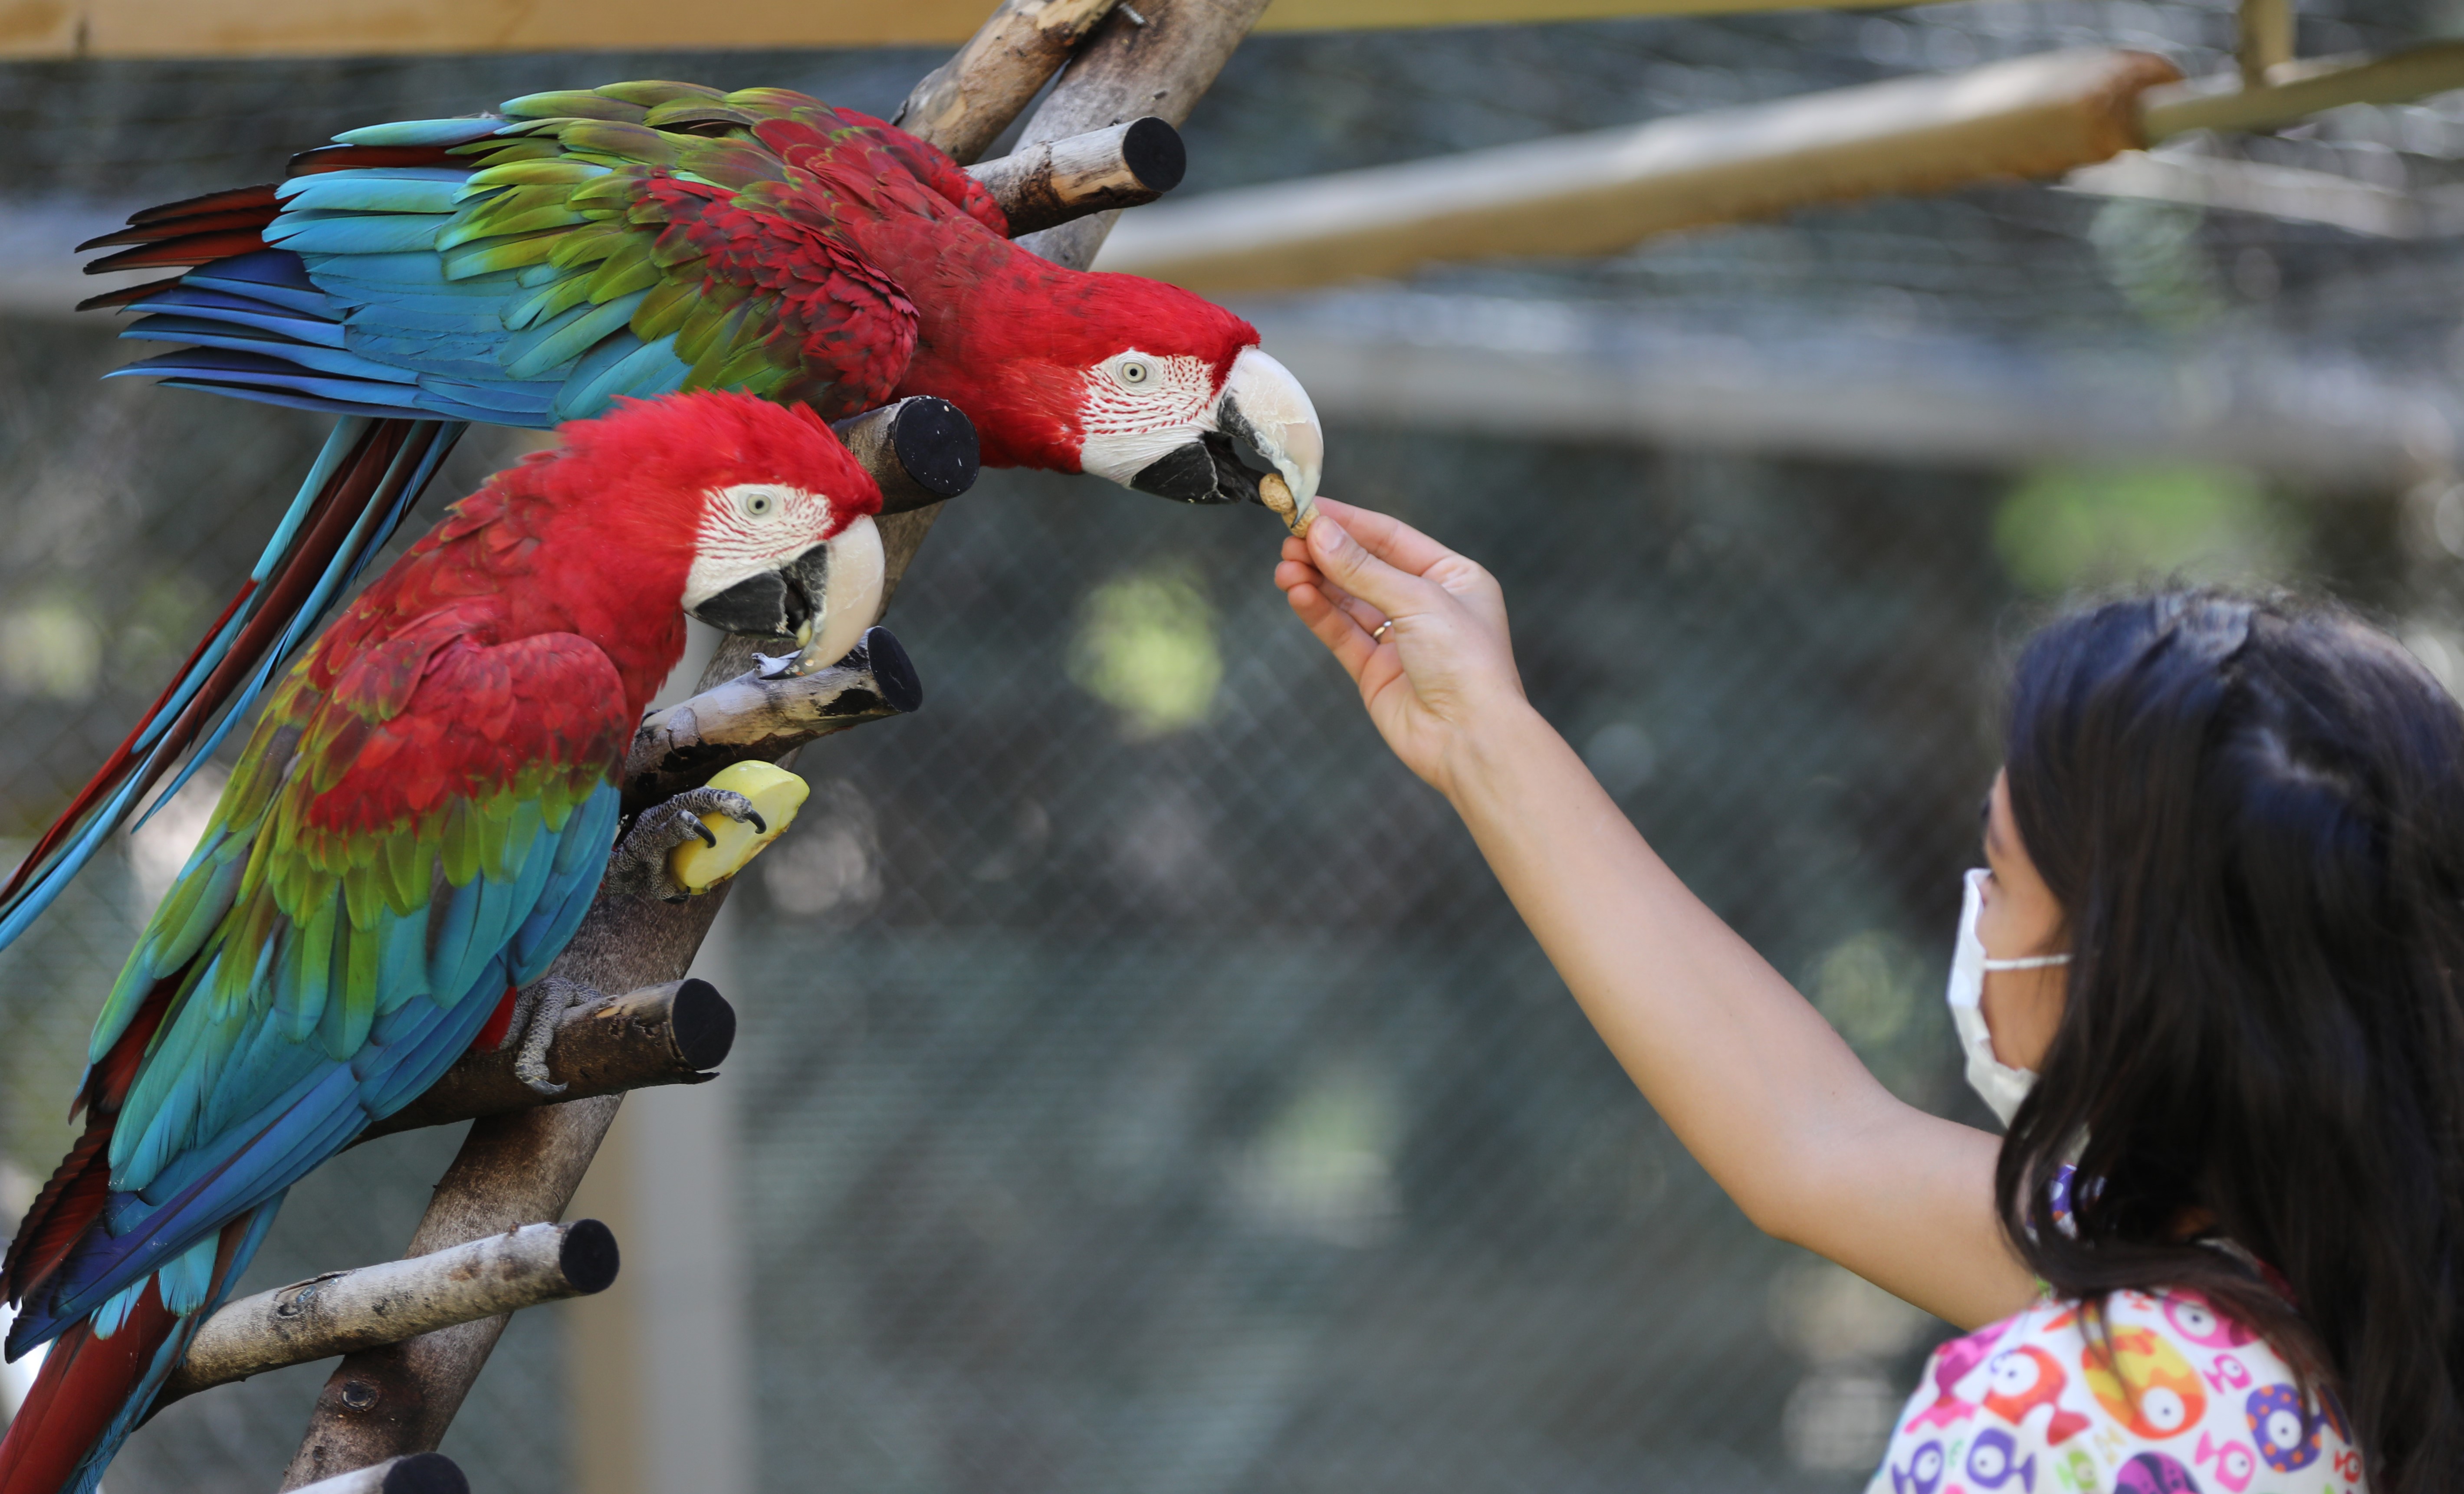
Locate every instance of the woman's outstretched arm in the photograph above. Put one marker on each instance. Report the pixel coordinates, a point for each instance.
(1749, 1076)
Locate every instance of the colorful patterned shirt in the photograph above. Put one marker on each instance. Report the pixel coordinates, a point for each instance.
(2185, 1402)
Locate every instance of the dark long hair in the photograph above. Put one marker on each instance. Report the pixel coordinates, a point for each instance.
(2251, 813)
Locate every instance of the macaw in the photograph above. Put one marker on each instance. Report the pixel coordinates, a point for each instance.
(531, 265)
(424, 809)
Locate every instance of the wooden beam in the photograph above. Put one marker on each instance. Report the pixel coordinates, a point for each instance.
(370, 28)
(2263, 40)
(1605, 191)
(1599, 192)
(2296, 90)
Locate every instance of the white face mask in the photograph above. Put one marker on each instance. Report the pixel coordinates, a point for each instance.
(2000, 1086)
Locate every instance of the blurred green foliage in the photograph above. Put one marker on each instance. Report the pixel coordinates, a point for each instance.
(2064, 528)
(1146, 647)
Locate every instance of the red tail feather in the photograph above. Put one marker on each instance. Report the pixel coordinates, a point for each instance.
(115, 768)
(188, 249)
(168, 228)
(83, 1383)
(72, 1200)
(358, 480)
(261, 195)
(81, 1184)
(125, 294)
(86, 1380)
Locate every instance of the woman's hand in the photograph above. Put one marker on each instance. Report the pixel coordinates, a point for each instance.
(1447, 663)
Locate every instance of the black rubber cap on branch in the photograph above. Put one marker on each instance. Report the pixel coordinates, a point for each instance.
(701, 1023)
(588, 1258)
(1154, 152)
(893, 671)
(935, 442)
(426, 1473)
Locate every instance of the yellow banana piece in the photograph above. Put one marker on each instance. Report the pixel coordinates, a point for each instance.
(777, 794)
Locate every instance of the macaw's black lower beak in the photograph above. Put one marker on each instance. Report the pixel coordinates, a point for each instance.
(1206, 470)
(775, 603)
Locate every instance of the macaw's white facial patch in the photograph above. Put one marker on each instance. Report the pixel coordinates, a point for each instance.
(852, 601)
(751, 528)
(1139, 407)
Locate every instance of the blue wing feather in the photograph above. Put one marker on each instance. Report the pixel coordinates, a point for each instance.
(234, 309)
(266, 274)
(422, 132)
(354, 233)
(367, 249)
(432, 191)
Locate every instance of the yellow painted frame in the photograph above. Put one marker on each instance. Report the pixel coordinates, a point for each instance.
(31, 28)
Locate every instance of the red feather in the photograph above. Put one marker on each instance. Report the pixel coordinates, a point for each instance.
(165, 230)
(86, 1380)
(500, 1023)
(125, 294)
(192, 249)
(83, 1383)
(228, 199)
(72, 1200)
(81, 1184)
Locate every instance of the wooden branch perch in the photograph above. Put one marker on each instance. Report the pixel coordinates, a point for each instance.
(670, 1034)
(756, 716)
(521, 1168)
(420, 1473)
(921, 451)
(1154, 59)
(964, 105)
(346, 1311)
(1124, 166)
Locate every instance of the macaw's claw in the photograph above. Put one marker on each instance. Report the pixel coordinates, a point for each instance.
(538, 1010)
(639, 866)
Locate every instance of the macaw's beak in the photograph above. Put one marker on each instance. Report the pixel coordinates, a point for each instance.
(1265, 406)
(824, 599)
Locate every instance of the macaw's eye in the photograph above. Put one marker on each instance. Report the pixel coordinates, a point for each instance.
(1134, 373)
(760, 505)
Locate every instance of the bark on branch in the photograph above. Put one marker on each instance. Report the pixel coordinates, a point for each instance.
(671, 1034)
(420, 1473)
(964, 105)
(757, 715)
(346, 1311)
(1054, 182)
(1154, 59)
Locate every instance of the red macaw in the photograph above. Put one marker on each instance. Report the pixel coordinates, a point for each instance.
(531, 265)
(422, 816)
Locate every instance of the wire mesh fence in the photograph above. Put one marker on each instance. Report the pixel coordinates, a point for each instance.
(1143, 1085)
